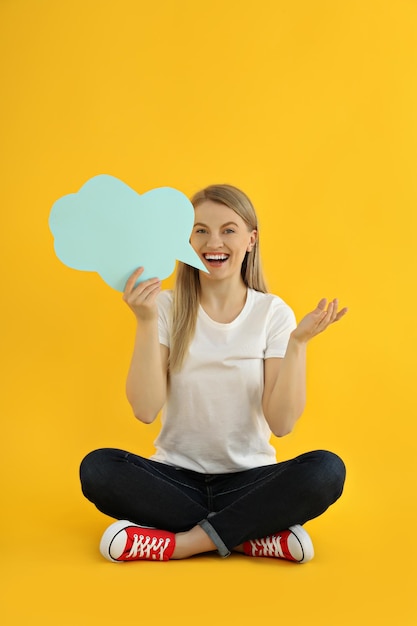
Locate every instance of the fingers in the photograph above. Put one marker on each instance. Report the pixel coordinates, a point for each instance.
(335, 304)
(145, 291)
(331, 314)
(322, 304)
(133, 278)
(337, 315)
(341, 314)
(141, 292)
(327, 316)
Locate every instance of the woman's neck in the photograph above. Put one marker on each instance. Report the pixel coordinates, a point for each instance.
(223, 301)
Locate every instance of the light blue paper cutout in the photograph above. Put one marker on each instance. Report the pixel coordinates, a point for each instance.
(108, 228)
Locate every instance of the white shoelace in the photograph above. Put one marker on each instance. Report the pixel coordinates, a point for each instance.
(143, 545)
(267, 546)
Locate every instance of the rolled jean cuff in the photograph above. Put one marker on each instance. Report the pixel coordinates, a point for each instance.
(223, 550)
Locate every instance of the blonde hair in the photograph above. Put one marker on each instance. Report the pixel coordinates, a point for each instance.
(187, 283)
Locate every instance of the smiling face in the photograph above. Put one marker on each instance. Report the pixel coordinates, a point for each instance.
(221, 239)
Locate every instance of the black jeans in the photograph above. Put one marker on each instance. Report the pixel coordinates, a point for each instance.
(231, 508)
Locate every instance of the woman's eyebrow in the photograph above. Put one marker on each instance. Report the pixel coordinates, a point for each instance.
(223, 226)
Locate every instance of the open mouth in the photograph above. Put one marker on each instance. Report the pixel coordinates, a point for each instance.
(216, 259)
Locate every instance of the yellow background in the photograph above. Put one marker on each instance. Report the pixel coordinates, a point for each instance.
(310, 107)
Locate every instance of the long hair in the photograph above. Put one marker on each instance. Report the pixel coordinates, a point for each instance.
(187, 283)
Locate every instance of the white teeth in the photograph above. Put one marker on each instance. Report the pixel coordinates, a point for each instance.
(216, 257)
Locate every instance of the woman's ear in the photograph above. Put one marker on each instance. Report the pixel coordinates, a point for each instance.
(253, 239)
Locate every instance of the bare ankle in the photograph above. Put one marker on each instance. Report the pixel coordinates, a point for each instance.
(194, 541)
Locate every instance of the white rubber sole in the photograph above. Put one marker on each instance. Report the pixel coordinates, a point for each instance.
(113, 540)
(305, 543)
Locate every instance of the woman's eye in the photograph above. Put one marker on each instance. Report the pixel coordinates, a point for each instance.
(200, 231)
(229, 230)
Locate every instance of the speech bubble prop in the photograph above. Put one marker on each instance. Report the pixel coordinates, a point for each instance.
(108, 228)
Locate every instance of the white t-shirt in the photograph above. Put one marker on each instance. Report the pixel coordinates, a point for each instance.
(213, 420)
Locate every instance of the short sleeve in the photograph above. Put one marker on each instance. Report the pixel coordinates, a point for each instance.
(280, 325)
(164, 303)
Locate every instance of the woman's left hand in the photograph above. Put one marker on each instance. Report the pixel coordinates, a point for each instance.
(318, 320)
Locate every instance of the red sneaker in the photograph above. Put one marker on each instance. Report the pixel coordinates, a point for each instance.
(125, 541)
(293, 544)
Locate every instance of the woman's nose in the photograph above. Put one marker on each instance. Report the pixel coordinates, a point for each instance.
(215, 241)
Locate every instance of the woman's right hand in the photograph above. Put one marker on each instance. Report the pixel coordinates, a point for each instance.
(142, 298)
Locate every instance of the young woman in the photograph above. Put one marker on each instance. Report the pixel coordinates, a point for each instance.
(226, 361)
